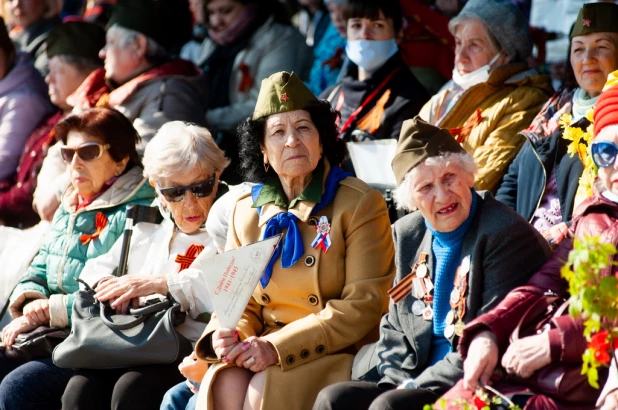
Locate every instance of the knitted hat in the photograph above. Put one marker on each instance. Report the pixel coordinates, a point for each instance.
(596, 18)
(418, 141)
(78, 39)
(168, 22)
(282, 92)
(606, 109)
(506, 22)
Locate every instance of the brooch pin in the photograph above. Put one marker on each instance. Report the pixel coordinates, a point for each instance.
(322, 238)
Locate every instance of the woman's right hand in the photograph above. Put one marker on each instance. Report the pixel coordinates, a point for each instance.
(22, 324)
(481, 360)
(223, 341)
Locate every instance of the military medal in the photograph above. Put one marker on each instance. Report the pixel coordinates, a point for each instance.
(411, 284)
(421, 271)
(418, 307)
(428, 313)
(449, 331)
(454, 318)
(322, 239)
(455, 296)
(450, 317)
(459, 327)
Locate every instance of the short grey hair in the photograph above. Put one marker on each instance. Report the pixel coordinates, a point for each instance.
(403, 193)
(179, 146)
(462, 19)
(128, 37)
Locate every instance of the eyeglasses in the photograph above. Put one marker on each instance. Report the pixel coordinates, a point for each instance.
(87, 152)
(199, 190)
(604, 153)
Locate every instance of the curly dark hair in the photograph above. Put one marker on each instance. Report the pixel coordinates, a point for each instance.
(251, 136)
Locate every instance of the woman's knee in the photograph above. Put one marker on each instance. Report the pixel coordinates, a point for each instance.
(229, 388)
(255, 391)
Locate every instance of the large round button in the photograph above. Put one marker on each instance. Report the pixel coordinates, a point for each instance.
(279, 323)
(310, 260)
(320, 349)
(304, 353)
(313, 299)
(313, 221)
(265, 298)
(290, 359)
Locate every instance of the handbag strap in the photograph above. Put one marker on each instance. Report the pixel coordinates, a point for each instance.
(141, 313)
(538, 308)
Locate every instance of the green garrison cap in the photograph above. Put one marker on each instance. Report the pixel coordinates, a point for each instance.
(77, 39)
(596, 18)
(282, 92)
(418, 141)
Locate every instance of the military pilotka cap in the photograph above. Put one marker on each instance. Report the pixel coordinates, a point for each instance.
(418, 141)
(76, 39)
(596, 18)
(282, 92)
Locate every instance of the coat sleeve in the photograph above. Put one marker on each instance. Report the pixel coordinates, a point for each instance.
(504, 141)
(507, 191)
(369, 270)
(287, 52)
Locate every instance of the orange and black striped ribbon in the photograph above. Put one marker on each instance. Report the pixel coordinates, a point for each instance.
(186, 260)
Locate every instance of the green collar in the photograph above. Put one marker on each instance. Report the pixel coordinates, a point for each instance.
(272, 191)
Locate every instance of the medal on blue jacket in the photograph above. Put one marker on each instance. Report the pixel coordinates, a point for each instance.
(322, 239)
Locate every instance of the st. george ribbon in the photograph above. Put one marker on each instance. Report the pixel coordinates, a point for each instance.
(231, 277)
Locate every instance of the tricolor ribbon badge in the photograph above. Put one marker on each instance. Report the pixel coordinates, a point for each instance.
(322, 239)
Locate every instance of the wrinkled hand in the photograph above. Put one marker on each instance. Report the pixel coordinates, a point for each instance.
(481, 360)
(611, 401)
(20, 325)
(527, 355)
(38, 311)
(223, 341)
(46, 207)
(556, 233)
(193, 368)
(254, 353)
(120, 290)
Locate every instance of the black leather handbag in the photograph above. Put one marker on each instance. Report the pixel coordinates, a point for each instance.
(102, 339)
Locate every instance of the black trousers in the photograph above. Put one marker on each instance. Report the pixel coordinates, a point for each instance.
(135, 388)
(369, 396)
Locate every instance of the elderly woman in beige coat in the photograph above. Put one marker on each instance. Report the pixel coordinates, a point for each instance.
(325, 289)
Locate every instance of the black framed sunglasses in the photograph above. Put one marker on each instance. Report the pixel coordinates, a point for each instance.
(87, 152)
(199, 190)
(604, 153)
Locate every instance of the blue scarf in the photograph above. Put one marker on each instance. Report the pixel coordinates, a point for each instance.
(292, 246)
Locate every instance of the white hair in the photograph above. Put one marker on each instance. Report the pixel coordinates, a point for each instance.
(178, 147)
(129, 37)
(403, 193)
(610, 130)
(459, 20)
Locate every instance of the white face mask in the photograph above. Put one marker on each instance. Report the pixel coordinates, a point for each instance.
(478, 76)
(371, 54)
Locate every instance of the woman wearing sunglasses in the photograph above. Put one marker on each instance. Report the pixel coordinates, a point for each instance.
(183, 163)
(106, 175)
(325, 288)
(485, 343)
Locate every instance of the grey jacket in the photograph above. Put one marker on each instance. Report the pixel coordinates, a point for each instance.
(504, 252)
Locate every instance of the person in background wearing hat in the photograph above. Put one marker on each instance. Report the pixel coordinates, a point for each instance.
(493, 94)
(31, 22)
(453, 264)
(486, 344)
(329, 52)
(325, 288)
(23, 103)
(248, 40)
(72, 50)
(542, 182)
(378, 91)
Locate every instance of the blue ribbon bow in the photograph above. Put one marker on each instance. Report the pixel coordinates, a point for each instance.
(292, 246)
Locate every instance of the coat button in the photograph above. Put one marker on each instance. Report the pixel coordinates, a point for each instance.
(265, 298)
(310, 260)
(304, 353)
(290, 359)
(33, 154)
(18, 185)
(313, 299)
(313, 221)
(320, 349)
(279, 323)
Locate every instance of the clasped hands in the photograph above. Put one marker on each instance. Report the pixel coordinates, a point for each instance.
(126, 290)
(522, 358)
(254, 353)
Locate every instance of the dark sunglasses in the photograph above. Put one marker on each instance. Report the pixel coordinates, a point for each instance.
(87, 152)
(199, 190)
(604, 153)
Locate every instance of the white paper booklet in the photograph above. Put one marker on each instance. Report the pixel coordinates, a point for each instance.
(372, 161)
(231, 277)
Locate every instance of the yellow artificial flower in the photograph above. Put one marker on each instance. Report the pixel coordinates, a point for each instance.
(590, 114)
(565, 120)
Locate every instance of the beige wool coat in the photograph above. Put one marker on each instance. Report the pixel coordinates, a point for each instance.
(316, 311)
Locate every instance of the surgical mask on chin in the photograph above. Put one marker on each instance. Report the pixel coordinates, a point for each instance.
(371, 54)
(478, 76)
